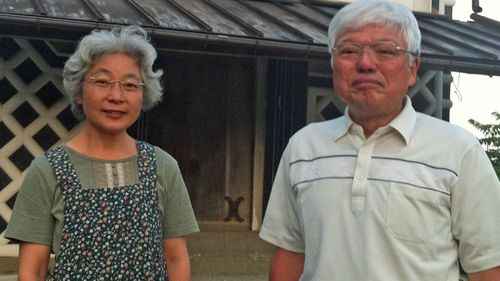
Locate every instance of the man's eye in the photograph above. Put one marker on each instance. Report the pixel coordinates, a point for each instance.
(385, 50)
(348, 51)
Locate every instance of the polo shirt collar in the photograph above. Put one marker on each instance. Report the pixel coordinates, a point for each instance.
(344, 126)
(404, 123)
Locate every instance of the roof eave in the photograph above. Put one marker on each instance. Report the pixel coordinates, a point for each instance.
(199, 42)
(163, 38)
(474, 67)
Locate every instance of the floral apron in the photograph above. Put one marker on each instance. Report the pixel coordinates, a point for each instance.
(109, 233)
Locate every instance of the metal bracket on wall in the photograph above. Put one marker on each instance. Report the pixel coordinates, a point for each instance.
(233, 208)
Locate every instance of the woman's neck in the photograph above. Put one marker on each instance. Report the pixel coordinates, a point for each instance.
(103, 146)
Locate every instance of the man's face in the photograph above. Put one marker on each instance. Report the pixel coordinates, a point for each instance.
(373, 82)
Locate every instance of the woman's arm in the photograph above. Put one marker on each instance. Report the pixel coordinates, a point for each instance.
(177, 259)
(33, 261)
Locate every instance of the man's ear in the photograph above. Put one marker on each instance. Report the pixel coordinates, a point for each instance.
(415, 64)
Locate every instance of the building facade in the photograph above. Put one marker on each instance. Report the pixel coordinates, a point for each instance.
(240, 78)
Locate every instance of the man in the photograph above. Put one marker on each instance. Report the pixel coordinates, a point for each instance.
(382, 193)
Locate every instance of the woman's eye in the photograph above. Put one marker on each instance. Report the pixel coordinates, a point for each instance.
(102, 82)
(130, 86)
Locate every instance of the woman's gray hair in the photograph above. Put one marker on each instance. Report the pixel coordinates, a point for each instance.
(381, 12)
(131, 40)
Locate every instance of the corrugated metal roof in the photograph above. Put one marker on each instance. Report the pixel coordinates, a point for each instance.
(241, 27)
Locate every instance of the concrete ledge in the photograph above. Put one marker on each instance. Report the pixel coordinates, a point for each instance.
(8, 266)
(230, 255)
(13, 277)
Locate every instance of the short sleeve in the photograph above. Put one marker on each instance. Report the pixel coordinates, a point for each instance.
(281, 226)
(31, 219)
(178, 217)
(475, 212)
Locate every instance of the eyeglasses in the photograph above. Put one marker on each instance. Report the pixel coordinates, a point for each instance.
(381, 51)
(128, 85)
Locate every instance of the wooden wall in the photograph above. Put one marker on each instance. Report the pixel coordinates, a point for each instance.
(206, 122)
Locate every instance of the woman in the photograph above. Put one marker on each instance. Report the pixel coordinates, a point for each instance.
(108, 206)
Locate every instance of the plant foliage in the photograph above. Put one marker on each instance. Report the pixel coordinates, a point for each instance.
(491, 140)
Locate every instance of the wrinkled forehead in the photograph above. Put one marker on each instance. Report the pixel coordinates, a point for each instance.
(371, 33)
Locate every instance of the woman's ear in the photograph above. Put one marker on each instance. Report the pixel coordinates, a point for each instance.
(79, 99)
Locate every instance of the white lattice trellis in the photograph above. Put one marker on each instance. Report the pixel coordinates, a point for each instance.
(23, 136)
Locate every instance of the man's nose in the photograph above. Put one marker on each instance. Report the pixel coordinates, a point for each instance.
(367, 60)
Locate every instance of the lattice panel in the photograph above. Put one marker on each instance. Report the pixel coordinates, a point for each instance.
(426, 95)
(34, 115)
(323, 104)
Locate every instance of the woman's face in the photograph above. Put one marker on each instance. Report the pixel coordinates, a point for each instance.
(112, 93)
